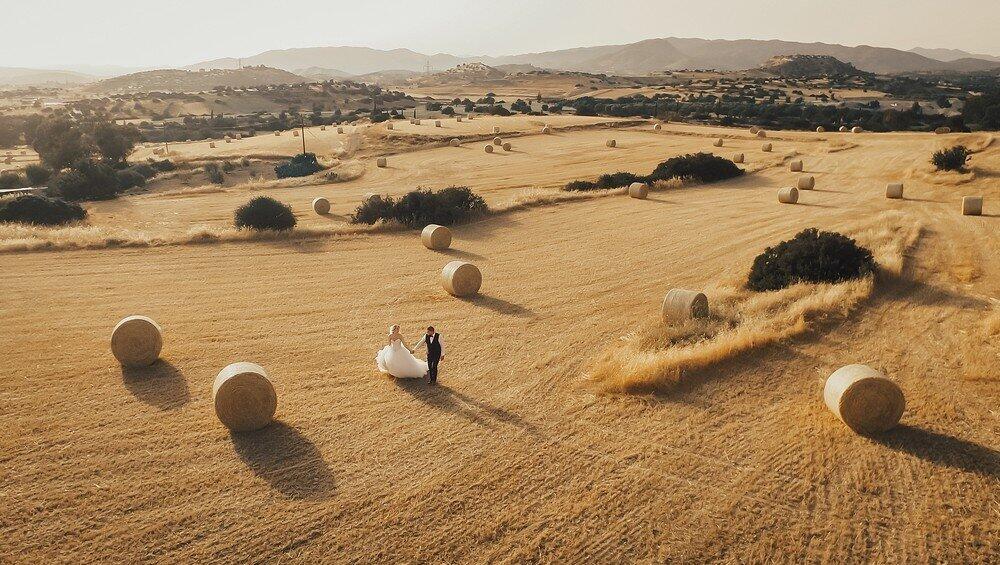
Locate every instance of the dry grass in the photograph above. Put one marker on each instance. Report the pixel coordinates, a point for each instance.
(656, 356)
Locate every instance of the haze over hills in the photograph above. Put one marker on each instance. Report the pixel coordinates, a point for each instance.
(17, 77)
(174, 80)
(949, 55)
(640, 58)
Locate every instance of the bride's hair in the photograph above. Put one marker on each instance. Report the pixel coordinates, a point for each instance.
(393, 328)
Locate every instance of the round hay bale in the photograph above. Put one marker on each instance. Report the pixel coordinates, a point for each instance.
(211, 145)
(856, 129)
(754, 130)
(972, 205)
(719, 142)
(489, 149)
(681, 305)
(226, 138)
(806, 183)
(657, 127)
(437, 123)
(322, 128)
(436, 237)
(459, 119)
(894, 190)
(381, 162)
(761, 134)
(136, 341)
(638, 190)
(389, 126)
(795, 166)
(416, 122)
(821, 129)
(295, 133)
(496, 129)
(766, 148)
(612, 143)
(455, 142)
(277, 134)
(507, 146)
(942, 130)
(244, 397)
(239, 136)
(843, 129)
(788, 195)
(340, 129)
(738, 157)
(413, 121)
(546, 130)
(497, 141)
(864, 399)
(229, 140)
(471, 116)
(460, 278)
(321, 206)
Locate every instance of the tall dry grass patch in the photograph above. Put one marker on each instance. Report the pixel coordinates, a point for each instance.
(657, 355)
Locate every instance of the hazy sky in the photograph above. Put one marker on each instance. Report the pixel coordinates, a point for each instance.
(179, 32)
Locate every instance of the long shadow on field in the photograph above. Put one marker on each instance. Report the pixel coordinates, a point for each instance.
(943, 449)
(161, 385)
(462, 254)
(500, 306)
(287, 460)
(447, 399)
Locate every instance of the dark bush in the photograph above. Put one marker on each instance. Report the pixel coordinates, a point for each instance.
(37, 175)
(11, 180)
(162, 166)
(87, 180)
(130, 179)
(703, 167)
(953, 159)
(418, 208)
(228, 167)
(301, 165)
(146, 170)
(214, 173)
(811, 256)
(32, 209)
(264, 213)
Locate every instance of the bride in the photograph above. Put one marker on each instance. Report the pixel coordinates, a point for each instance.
(397, 360)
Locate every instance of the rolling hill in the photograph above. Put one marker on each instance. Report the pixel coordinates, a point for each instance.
(174, 80)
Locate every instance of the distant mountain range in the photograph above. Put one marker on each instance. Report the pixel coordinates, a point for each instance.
(15, 77)
(641, 58)
(949, 55)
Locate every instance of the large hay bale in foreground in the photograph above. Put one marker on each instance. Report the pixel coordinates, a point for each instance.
(507, 146)
(942, 130)
(766, 148)
(381, 162)
(806, 183)
(789, 195)
(972, 205)
(894, 190)
(498, 141)
(136, 341)
(244, 397)
(612, 143)
(460, 278)
(489, 149)
(864, 399)
(638, 190)
(436, 237)
(738, 157)
(857, 129)
(455, 142)
(681, 305)
(795, 166)
(321, 206)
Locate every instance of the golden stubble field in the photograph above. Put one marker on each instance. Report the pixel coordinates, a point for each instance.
(513, 457)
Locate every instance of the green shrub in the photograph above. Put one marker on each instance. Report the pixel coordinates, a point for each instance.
(420, 207)
(87, 180)
(130, 179)
(11, 180)
(162, 166)
(214, 173)
(703, 167)
(228, 166)
(953, 159)
(37, 175)
(605, 181)
(264, 213)
(811, 256)
(145, 169)
(32, 209)
(301, 165)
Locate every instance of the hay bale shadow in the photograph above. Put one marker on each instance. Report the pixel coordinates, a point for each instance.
(942, 449)
(499, 305)
(287, 460)
(161, 385)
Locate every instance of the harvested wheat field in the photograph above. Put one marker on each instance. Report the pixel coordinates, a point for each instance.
(561, 430)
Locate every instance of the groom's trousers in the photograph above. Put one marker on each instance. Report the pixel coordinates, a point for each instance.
(432, 369)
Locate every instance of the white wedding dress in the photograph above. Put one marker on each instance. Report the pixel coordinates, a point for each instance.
(397, 361)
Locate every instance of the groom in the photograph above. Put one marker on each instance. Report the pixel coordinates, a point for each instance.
(435, 352)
